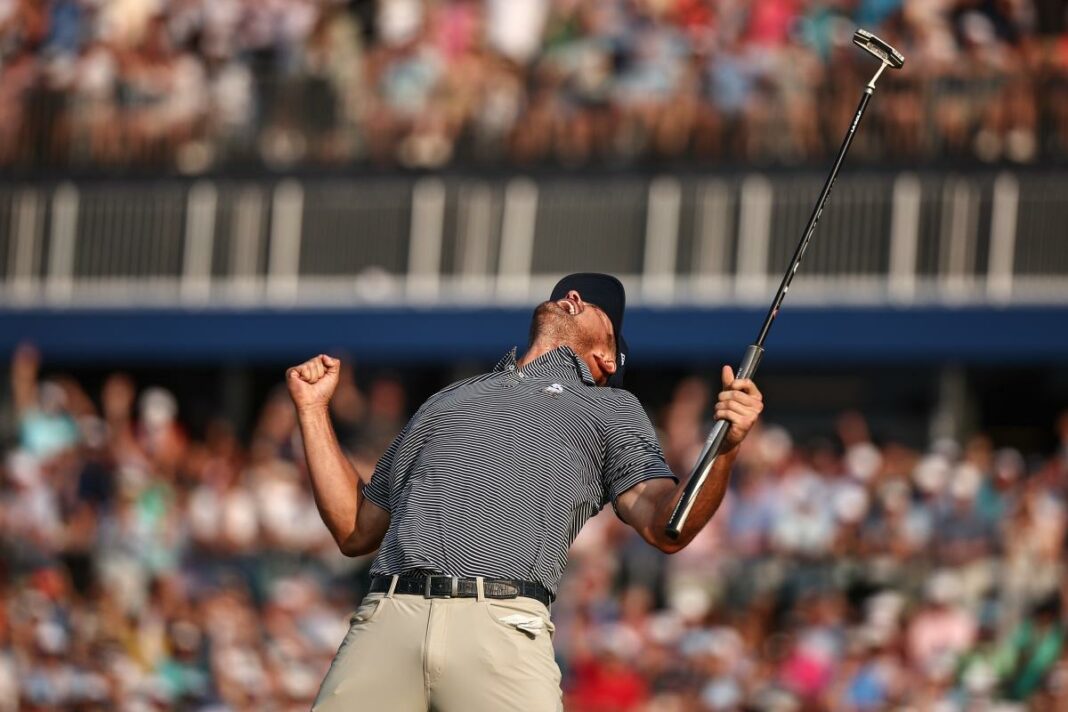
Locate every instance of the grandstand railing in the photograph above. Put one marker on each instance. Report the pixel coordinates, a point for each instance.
(885, 238)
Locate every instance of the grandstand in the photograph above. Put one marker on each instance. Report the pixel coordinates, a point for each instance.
(188, 87)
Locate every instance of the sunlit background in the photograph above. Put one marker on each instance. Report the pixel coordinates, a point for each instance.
(195, 194)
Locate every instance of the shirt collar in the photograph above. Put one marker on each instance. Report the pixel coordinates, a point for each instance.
(561, 363)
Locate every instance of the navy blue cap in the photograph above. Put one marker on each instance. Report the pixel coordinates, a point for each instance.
(607, 294)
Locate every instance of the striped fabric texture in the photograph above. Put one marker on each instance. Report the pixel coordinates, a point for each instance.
(495, 475)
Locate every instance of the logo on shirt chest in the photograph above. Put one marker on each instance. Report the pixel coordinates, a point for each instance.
(554, 390)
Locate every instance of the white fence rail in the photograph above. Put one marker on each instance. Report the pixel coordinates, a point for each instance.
(883, 238)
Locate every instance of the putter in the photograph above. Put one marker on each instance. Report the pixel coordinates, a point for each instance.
(888, 57)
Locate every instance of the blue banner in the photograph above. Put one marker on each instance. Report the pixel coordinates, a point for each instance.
(440, 335)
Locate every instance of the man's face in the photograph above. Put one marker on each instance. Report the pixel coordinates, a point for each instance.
(582, 326)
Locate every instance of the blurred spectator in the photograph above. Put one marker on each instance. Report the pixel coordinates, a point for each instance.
(147, 568)
(197, 84)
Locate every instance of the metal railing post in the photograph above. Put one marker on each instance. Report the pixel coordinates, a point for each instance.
(517, 239)
(1002, 237)
(25, 247)
(661, 240)
(199, 242)
(283, 269)
(904, 238)
(754, 234)
(60, 281)
(424, 243)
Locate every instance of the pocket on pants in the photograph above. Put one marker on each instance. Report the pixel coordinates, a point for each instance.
(532, 620)
(524, 647)
(369, 608)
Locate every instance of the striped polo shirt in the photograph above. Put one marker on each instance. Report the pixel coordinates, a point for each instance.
(496, 474)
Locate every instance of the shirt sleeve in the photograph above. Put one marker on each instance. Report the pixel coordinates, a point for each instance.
(381, 485)
(632, 451)
(378, 489)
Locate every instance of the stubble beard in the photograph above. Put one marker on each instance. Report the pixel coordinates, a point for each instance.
(553, 325)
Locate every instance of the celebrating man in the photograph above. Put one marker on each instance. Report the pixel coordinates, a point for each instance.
(475, 503)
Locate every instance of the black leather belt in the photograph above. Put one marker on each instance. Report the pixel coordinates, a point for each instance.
(442, 586)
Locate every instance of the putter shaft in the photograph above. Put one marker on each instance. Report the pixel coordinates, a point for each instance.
(702, 469)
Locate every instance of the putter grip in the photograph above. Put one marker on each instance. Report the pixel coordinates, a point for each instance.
(701, 470)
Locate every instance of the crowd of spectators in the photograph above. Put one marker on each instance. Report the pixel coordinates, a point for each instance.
(199, 84)
(142, 568)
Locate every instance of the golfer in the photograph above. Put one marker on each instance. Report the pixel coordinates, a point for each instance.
(474, 505)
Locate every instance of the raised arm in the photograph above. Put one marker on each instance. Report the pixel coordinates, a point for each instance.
(356, 523)
(648, 505)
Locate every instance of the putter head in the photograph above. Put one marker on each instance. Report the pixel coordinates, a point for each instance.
(882, 50)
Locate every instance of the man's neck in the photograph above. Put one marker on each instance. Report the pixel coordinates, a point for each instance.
(537, 350)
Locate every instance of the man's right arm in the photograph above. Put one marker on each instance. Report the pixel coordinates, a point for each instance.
(357, 524)
(647, 505)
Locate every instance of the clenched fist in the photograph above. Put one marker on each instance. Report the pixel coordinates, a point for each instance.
(312, 383)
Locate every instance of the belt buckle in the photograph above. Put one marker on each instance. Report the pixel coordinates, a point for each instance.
(454, 589)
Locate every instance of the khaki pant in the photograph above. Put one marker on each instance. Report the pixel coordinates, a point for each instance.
(406, 653)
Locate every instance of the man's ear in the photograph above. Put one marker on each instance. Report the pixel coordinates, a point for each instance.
(606, 361)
